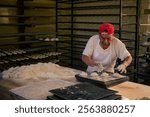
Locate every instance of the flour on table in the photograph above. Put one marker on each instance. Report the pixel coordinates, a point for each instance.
(37, 72)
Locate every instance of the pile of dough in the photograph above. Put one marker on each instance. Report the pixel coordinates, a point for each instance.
(38, 71)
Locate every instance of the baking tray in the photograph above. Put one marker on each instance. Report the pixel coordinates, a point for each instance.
(82, 91)
(101, 83)
(53, 97)
(112, 97)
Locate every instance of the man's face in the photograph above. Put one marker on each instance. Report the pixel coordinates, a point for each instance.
(105, 38)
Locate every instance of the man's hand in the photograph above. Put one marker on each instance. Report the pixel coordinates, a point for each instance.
(100, 67)
(126, 62)
(122, 68)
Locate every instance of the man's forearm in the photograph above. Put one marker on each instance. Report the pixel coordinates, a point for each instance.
(87, 60)
(127, 61)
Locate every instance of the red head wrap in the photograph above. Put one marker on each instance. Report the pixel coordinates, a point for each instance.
(106, 27)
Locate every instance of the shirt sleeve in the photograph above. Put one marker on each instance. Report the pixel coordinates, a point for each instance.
(89, 47)
(122, 51)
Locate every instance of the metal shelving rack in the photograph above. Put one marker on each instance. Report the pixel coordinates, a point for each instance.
(144, 59)
(131, 27)
(88, 13)
(20, 46)
(78, 45)
(64, 19)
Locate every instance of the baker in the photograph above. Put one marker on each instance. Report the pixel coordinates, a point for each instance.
(103, 49)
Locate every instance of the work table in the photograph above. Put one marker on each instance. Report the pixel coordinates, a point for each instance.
(40, 90)
(132, 90)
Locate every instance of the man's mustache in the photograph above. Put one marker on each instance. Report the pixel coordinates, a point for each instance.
(105, 42)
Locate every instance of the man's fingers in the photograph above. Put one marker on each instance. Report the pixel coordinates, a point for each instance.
(121, 69)
(125, 71)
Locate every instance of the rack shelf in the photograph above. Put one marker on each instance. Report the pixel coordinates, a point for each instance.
(15, 56)
(10, 6)
(115, 23)
(145, 44)
(25, 34)
(85, 15)
(95, 30)
(23, 24)
(91, 7)
(96, 7)
(79, 2)
(25, 16)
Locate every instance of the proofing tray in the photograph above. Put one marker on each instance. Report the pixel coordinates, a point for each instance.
(110, 97)
(82, 91)
(101, 83)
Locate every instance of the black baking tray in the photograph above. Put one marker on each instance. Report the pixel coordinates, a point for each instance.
(82, 91)
(104, 84)
(54, 97)
(112, 97)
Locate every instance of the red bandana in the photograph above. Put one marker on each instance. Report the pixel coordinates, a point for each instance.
(106, 27)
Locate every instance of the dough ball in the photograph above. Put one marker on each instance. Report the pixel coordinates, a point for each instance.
(117, 75)
(94, 74)
(83, 74)
(104, 74)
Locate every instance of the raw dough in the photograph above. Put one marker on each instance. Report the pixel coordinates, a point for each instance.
(117, 75)
(94, 74)
(104, 74)
(84, 74)
(38, 71)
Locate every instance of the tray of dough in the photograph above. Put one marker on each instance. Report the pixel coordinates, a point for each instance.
(83, 91)
(104, 80)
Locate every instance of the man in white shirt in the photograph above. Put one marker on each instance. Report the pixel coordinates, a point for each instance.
(102, 51)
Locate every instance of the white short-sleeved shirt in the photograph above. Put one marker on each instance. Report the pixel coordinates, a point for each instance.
(107, 57)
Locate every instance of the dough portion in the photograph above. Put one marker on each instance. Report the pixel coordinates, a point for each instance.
(84, 74)
(116, 75)
(104, 74)
(94, 74)
(103, 77)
